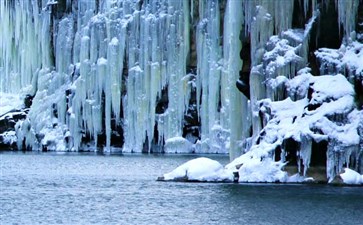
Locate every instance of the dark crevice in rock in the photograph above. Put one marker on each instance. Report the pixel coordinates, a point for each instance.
(278, 152)
(290, 147)
(162, 101)
(330, 32)
(243, 83)
(318, 153)
(358, 88)
(325, 33)
(191, 122)
(299, 19)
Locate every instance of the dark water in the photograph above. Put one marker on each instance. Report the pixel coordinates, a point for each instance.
(94, 189)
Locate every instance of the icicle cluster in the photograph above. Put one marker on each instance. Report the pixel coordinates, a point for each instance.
(209, 50)
(347, 11)
(108, 54)
(25, 44)
(263, 19)
(233, 104)
(276, 60)
(102, 68)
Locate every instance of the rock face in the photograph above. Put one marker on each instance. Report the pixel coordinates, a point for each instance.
(8, 121)
(227, 76)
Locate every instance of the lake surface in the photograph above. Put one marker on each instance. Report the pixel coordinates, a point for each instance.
(75, 188)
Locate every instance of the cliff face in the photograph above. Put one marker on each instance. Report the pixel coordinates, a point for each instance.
(189, 76)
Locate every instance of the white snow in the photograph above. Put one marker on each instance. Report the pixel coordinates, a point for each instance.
(330, 87)
(349, 56)
(250, 170)
(255, 169)
(118, 54)
(200, 169)
(9, 137)
(178, 145)
(350, 176)
(286, 119)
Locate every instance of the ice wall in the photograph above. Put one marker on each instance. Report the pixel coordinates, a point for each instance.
(25, 44)
(233, 104)
(101, 69)
(278, 52)
(209, 50)
(347, 11)
(268, 23)
(112, 59)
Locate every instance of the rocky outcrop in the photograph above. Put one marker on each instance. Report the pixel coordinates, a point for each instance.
(8, 137)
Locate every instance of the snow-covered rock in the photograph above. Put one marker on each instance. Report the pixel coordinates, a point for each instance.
(199, 169)
(326, 112)
(255, 170)
(350, 176)
(347, 58)
(178, 145)
(11, 111)
(104, 66)
(8, 138)
(244, 169)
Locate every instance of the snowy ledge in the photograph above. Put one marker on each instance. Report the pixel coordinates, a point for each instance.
(252, 171)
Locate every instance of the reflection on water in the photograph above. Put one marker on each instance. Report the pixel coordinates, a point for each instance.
(88, 188)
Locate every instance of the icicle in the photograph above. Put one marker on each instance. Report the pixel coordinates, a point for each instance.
(157, 51)
(339, 156)
(234, 112)
(304, 154)
(21, 40)
(347, 11)
(208, 74)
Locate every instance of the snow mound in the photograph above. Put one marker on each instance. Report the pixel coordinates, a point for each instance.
(346, 58)
(351, 177)
(199, 169)
(178, 145)
(255, 166)
(255, 170)
(8, 137)
(248, 168)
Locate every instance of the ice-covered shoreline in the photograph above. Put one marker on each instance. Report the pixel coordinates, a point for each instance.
(161, 76)
(207, 170)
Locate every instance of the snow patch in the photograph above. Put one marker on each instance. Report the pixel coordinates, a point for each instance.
(200, 169)
(8, 137)
(350, 176)
(250, 169)
(257, 170)
(178, 145)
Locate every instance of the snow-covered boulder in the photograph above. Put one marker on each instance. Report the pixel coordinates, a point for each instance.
(199, 169)
(178, 145)
(8, 139)
(346, 58)
(351, 177)
(244, 169)
(11, 111)
(255, 170)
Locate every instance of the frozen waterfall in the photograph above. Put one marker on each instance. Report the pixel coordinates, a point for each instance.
(160, 76)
